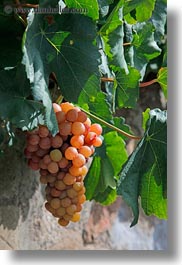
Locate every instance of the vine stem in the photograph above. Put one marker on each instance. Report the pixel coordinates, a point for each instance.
(111, 126)
(143, 84)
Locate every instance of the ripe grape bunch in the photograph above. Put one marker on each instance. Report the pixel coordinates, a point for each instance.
(62, 160)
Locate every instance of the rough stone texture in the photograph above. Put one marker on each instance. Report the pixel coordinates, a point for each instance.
(26, 225)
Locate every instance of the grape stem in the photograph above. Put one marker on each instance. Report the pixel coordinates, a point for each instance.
(111, 126)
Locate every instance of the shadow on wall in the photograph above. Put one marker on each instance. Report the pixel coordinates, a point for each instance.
(17, 186)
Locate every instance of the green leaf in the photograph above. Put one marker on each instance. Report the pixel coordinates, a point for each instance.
(107, 197)
(66, 48)
(142, 8)
(14, 103)
(112, 33)
(127, 90)
(146, 115)
(91, 7)
(143, 46)
(145, 173)
(158, 18)
(162, 79)
(94, 100)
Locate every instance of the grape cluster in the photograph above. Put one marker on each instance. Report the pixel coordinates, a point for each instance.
(61, 160)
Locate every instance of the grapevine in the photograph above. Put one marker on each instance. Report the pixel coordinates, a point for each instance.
(62, 160)
(105, 68)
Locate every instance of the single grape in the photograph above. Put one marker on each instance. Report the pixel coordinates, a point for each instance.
(60, 175)
(60, 211)
(66, 106)
(42, 165)
(63, 222)
(77, 141)
(75, 171)
(49, 208)
(97, 141)
(83, 171)
(55, 203)
(85, 151)
(72, 193)
(78, 128)
(46, 159)
(60, 116)
(43, 131)
(54, 192)
(66, 202)
(72, 115)
(65, 128)
(60, 185)
(78, 186)
(51, 178)
(45, 143)
(79, 160)
(88, 122)
(96, 128)
(82, 116)
(70, 153)
(81, 198)
(56, 155)
(90, 138)
(53, 167)
(69, 179)
(76, 217)
(56, 141)
(67, 217)
(63, 162)
(71, 209)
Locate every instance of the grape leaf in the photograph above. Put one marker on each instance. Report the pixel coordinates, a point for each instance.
(112, 33)
(107, 197)
(14, 103)
(64, 47)
(143, 46)
(141, 8)
(162, 79)
(94, 100)
(145, 172)
(158, 19)
(91, 7)
(127, 90)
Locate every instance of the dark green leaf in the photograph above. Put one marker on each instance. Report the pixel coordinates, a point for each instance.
(66, 48)
(14, 103)
(145, 173)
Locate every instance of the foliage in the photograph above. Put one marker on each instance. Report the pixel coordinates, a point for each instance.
(105, 39)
